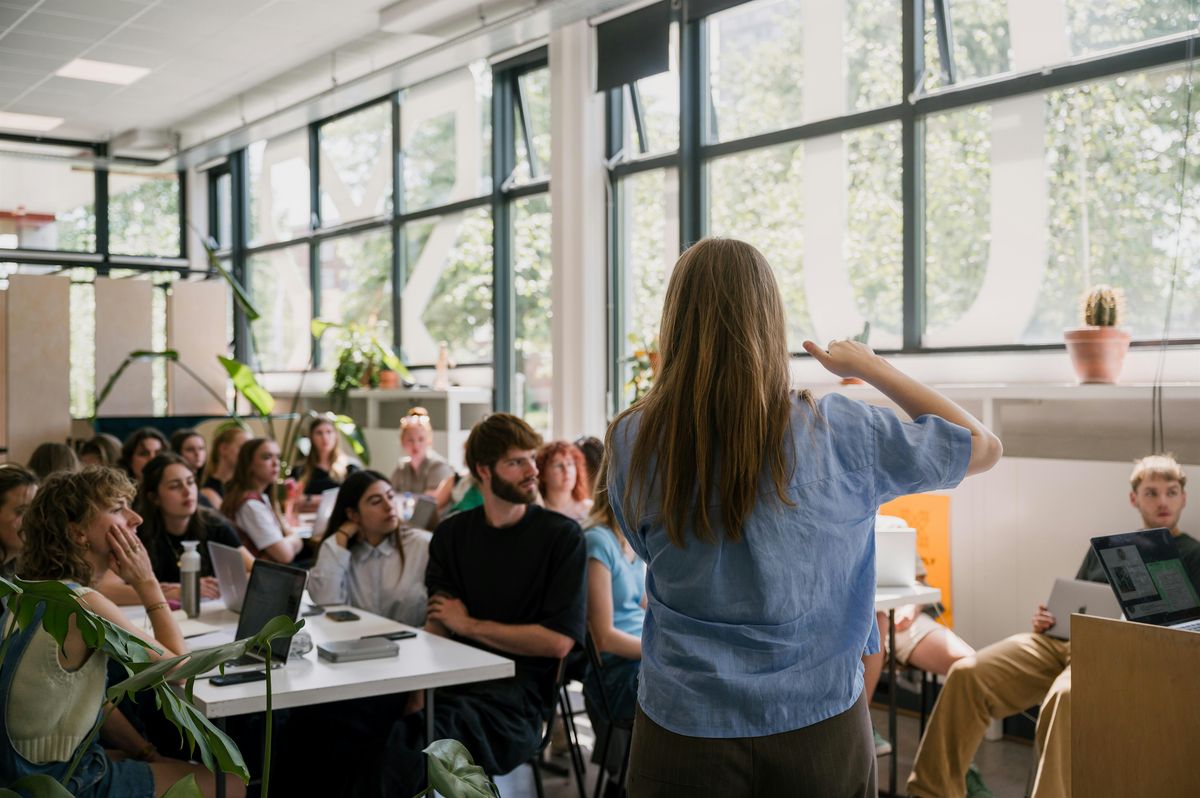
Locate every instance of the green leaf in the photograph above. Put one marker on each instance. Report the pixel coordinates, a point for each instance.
(354, 436)
(36, 786)
(61, 604)
(239, 293)
(184, 788)
(247, 385)
(318, 327)
(453, 774)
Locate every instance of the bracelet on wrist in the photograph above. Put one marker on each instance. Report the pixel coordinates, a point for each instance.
(157, 606)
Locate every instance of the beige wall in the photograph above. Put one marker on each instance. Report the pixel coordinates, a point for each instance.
(124, 324)
(197, 314)
(37, 363)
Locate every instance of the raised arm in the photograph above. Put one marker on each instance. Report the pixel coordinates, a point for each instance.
(853, 359)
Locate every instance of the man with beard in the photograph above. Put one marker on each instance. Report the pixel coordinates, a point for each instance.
(1022, 670)
(507, 577)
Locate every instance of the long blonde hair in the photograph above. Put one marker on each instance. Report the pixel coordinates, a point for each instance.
(718, 411)
(601, 515)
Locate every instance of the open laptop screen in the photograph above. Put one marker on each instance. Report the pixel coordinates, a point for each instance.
(1146, 574)
(274, 589)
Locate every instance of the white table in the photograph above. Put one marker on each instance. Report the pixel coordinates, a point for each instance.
(888, 599)
(425, 662)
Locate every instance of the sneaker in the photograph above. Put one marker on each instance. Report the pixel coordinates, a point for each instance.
(882, 746)
(975, 786)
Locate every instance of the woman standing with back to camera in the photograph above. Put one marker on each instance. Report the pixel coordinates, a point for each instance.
(754, 509)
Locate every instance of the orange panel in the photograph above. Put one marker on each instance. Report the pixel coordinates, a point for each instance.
(929, 514)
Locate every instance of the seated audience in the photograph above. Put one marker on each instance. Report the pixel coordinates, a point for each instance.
(506, 577)
(17, 489)
(563, 480)
(138, 450)
(422, 470)
(368, 561)
(171, 513)
(102, 450)
(219, 468)
(1020, 671)
(189, 444)
(324, 467)
(616, 595)
(250, 503)
(78, 527)
(50, 458)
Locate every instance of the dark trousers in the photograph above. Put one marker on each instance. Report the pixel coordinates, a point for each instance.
(831, 759)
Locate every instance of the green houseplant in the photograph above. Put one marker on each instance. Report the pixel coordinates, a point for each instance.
(361, 359)
(1098, 348)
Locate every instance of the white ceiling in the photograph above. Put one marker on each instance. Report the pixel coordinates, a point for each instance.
(200, 53)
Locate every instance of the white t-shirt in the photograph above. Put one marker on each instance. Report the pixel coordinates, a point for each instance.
(257, 520)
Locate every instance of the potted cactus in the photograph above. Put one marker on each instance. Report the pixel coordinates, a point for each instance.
(1098, 348)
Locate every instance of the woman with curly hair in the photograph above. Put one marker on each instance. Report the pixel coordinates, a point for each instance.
(563, 479)
(78, 527)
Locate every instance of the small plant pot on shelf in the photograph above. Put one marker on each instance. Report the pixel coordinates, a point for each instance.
(1097, 353)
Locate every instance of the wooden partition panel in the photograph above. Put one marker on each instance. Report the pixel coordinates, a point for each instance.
(197, 318)
(124, 324)
(37, 362)
(1135, 709)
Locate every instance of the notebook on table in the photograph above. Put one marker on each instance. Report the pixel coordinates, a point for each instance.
(1147, 576)
(230, 570)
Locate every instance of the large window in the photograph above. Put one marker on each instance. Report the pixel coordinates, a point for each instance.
(143, 213)
(278, 183)
(531, 281)
(356, 165)
(1033, 152)
(44, 203)
(279, 287)
(356, 284)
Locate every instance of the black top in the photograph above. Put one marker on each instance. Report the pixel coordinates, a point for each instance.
(320, 481)
(212, 483)
(531, 572)
(166, 549)
(1189, 553)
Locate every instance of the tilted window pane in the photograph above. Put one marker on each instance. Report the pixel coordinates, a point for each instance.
(47, 204)
(356, 286)
(777, 64)
(649, 225)
(279, 288)
(1088, 194)
(659, 95)
(447, 294)
(356, 166)
(279, 188)
(532, 270)
(535, 87)
(143, 213)
(833, 202)
(446, 138)
(992, 37)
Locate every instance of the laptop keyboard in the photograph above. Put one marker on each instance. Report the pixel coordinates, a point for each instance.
(1194, 626)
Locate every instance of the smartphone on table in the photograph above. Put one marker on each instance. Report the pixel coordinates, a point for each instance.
(342, 615)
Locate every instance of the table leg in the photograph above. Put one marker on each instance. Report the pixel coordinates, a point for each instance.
(892, 702)
(429, 716)
(220, 775)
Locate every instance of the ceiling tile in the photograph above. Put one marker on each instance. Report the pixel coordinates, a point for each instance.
(24, 5)
(111, 10)
(79, 89)
(140, 37)
(8, 16)
(66, 27)
(42, 45)
(149, 59)
(31, 63)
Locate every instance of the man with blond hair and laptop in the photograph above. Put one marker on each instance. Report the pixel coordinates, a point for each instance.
(1013, 674)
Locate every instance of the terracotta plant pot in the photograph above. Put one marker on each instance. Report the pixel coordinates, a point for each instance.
(389, 379)
(1097, 353)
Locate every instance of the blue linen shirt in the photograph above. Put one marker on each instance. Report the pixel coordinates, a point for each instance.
(766, 635)
(628, 579)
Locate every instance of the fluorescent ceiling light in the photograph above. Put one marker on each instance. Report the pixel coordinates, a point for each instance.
(102, 72)
(15, 121)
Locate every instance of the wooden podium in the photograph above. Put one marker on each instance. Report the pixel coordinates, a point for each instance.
(1135, 709)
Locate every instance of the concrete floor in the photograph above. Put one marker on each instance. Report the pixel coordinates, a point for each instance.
(1004, 764)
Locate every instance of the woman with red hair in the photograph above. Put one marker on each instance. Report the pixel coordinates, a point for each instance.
(563, 479)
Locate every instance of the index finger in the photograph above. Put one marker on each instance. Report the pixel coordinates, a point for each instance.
(817, 352)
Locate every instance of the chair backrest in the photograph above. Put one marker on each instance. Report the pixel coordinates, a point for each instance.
(598, 666)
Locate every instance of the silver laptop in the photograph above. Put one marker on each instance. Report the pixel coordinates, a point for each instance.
(324, 511)
(424, 512)
(895, 557)
(1077, 596)
(230, 570)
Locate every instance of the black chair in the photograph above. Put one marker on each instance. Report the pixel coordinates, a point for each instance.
(611, 725)
(536, 762)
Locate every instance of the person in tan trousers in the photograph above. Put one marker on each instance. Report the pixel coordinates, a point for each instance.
(1026, 669)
